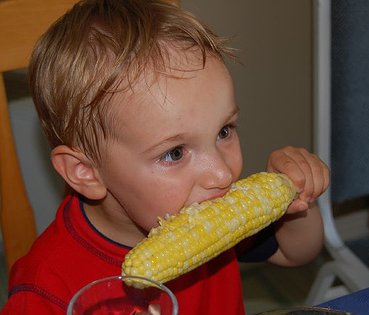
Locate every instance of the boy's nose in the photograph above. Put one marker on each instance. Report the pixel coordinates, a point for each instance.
(216, 173)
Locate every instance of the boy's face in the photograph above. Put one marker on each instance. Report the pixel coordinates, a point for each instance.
(176, 144)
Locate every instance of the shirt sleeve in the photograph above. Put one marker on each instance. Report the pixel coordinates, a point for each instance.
(29, 303)
(263, 245)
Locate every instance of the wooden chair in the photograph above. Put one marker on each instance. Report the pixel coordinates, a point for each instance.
(21, 23)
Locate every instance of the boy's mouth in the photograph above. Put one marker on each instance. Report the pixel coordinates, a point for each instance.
(216, 195)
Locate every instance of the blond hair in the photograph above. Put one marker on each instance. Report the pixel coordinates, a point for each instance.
(85, 55)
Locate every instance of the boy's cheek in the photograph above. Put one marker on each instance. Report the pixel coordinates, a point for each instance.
(238, 166)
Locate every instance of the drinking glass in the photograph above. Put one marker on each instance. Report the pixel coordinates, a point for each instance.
(117, 295)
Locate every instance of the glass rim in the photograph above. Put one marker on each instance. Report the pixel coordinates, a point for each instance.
(122, 277)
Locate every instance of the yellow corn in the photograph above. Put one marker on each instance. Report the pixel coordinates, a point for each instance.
(202, 231)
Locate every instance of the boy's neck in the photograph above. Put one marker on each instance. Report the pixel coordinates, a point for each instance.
(113, 225)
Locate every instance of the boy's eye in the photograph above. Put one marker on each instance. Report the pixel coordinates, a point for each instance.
(173, 155)
(224, 132)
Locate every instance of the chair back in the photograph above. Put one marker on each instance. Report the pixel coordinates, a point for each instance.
(21, 23)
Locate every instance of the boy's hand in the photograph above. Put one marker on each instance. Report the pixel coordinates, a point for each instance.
(309, 174)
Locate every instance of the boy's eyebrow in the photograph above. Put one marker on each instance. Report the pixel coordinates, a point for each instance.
(164, 142)
(180, 136)
(235, 111)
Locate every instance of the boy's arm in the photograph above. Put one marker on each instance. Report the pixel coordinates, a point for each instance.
(300, 232)
(29, 303)
(300, 238)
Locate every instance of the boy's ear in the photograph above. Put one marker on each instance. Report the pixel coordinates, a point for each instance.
(78, 171)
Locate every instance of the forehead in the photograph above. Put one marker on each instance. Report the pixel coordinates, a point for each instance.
(171, 99)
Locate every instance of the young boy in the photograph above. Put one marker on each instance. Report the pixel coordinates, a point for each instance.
(139, 109)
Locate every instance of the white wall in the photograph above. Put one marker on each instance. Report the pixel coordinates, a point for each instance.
(273, 86)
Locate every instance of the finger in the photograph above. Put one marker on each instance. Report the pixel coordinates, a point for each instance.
(298, 205)
(305, 161)
(281, 162)
(154, 309)
(319, 175)
(327, 176)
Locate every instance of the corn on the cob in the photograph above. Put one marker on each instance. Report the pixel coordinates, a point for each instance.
(202, 231)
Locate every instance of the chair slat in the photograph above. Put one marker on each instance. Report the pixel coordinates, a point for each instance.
(21, 23)
(16, 214)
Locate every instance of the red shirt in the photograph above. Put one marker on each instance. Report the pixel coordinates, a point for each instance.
(71, 253)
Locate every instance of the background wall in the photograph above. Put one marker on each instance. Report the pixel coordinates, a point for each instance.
(274, 83)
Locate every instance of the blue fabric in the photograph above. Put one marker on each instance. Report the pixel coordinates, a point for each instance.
(350, 99)
(356, 303)
(265, 245)
(360, 248)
